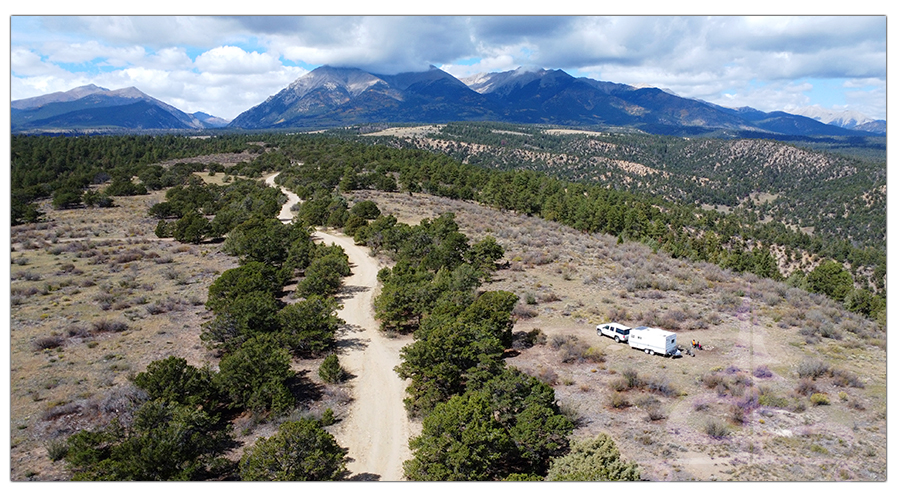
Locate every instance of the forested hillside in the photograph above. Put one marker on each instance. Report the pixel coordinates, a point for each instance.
(836, 196)
(619, 201)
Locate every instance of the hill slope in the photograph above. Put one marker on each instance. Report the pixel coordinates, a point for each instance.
(92, 107)
(745, 380)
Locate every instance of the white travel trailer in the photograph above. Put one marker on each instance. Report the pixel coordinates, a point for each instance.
(653, 340)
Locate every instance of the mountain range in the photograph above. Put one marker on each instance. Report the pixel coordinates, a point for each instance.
(846, 118)
(95, 108)
(331, 97)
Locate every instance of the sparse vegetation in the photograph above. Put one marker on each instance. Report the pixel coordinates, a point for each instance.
(716, 429)
(96, 298)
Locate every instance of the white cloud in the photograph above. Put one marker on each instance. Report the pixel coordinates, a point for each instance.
(28, 63)
(78, 53)
(702, 57)
(169, 58)
(493, 64)
(234, 60)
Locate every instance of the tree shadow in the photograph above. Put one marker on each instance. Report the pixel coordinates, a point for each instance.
(364, 476)
(351, 345)
(348, 291)
(347, 341)
(303, 388)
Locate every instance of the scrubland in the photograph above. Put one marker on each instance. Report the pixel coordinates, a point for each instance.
(788, 386)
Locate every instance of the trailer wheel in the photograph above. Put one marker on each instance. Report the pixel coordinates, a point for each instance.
(647, 351)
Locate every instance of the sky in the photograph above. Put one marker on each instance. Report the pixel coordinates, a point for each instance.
(226, 65)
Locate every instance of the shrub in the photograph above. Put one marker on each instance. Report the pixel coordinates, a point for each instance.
(331, 370)
(77, 331)
(618, 384)
(712, 379)
(715, 429)
(819, 399)
(310, 326)
(736, 413)
(632, 379)
(774, 401)
(173, 379)
(799, 406)
(166, 441)
(255, 376)
(558, 341)
(619, 401)
(49, 342)
(662, 386)
(618, 314)
(572, 349)
(856, 405)
(299, 451)
(655, 413)
(843, 378)
(762, 372)
(546, 375)
(812, 368)
(536, 336)
(806, 387)
(596, 459)
(522, 311)
(595, 355)
(321, 278)
(58, 410)
(57, 449)
(105, 325)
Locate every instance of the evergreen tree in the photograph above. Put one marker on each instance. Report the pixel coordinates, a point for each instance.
(300, 451)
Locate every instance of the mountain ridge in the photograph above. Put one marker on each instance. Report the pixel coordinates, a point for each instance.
(330, 96)
(93, 107)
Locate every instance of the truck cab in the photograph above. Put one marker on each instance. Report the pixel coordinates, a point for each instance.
(615, 331)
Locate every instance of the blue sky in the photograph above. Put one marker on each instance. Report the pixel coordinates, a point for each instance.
(225, 65)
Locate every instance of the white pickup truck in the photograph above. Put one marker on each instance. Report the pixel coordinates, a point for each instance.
(615, 331)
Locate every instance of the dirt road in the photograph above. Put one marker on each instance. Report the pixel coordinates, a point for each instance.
(376, 430)
(286, 215)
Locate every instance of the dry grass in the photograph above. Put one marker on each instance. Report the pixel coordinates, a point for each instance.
(85, 286)
(95, 268)
(730, 426)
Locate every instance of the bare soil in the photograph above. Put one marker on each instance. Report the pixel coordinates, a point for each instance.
(568, 282)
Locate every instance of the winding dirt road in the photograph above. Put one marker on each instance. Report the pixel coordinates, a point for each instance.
(376, 430)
